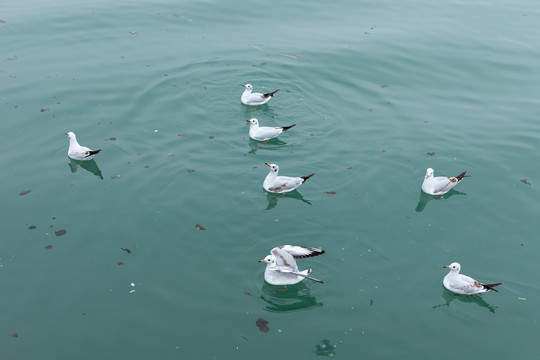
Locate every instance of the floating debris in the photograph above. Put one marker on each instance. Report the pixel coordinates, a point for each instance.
(263, 63)
(522, 180)
(32, 227)
(44, 109)
(384, 86)
(111, 139)
(522, 298)
(48, 247)
(370, 301)
(243, 337)
(181, 135)
(200, 227)
(120, 263)
(430, 153)
(170, 154)
(191, 171)
(291, 56)
(60, 232)
(25, 192)
(247, 293)
(330, 193)
(134, 33)
(146, 166)
(262, 324)
(349, 168)
(126, 250)
(211, 137)
(15, 335)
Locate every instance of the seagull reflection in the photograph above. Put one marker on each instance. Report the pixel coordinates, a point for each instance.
(272, 144)
(449, 296)
(289, 298)
(325, 348)
(425, 198)
(90, 166)
(273, 198)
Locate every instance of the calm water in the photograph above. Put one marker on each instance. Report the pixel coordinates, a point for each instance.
(379, 90)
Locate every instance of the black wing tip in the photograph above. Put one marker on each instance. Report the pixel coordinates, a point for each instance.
(307, 177)
(285, 128)
(462, 175)
(93, 152)
(270, 94)
(492, 286)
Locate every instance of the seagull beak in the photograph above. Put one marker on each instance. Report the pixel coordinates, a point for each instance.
(244, 85)
(66, 133)
(448, 267)
(248, 121)
(267, 164)
(261, 260)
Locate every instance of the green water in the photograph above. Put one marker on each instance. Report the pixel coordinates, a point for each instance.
(373, 86)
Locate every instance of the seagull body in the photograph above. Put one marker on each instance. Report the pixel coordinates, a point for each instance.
(464, 285)
(282, 184)
(440, 185)
(250, 98)
(78, 152)
(263, 133)
(281, 268)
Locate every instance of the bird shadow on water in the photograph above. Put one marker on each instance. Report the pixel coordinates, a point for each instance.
(449, 296)
(425, 198)
(288, 298)
(273, 198)
(272, 144)
(90, 166)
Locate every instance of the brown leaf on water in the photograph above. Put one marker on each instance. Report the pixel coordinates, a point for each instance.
(15, 335)
(525, 182)
(262, 324)
(247, 293)
(48, 247)
(60, 232)
(200, 227)
(430, 153)
(370, 301)
(330, 193)
(170, 154)
(120, 263)
(32, 227)
(126, 250)
(25, 192)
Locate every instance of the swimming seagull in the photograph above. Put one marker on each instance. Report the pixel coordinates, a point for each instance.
(440, 185)
(281, 268)
(282, 184)
(78, 152)
(263, 133)
(462, 284)
(256, 98)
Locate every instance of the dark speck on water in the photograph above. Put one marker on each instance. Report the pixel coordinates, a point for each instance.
(32, 227)
(200, 227)
(48, 247)
(25, 192)
(126, 250)
(525, 181)
(430, 153)
(262, 324)
(191, 171)
(60, 232)
(330, 193)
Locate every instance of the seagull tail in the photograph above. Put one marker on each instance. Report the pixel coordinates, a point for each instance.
(462, 175)
(270, 94)
(306, 177)
(491, 287)
(309, 277)
(92, 152)
(285, 128)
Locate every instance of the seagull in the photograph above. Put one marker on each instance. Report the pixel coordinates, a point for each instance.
(281, 268)
(282, 184)
(256, 98)
(440, 185)
(78, 152)
(464, 285)
(263, 133)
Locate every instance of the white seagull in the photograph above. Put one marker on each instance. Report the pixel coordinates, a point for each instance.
(440, 185)
(263, 133)
(464, 285)
(78, 152)
(281, 268)
(249, 98)
(282, 184)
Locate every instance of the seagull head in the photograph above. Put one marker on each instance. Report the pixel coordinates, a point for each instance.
(253, 121)
(454, 267)
(269, 259)
(429, 173)
(273, 167)
(71, 134)
(248, 87)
